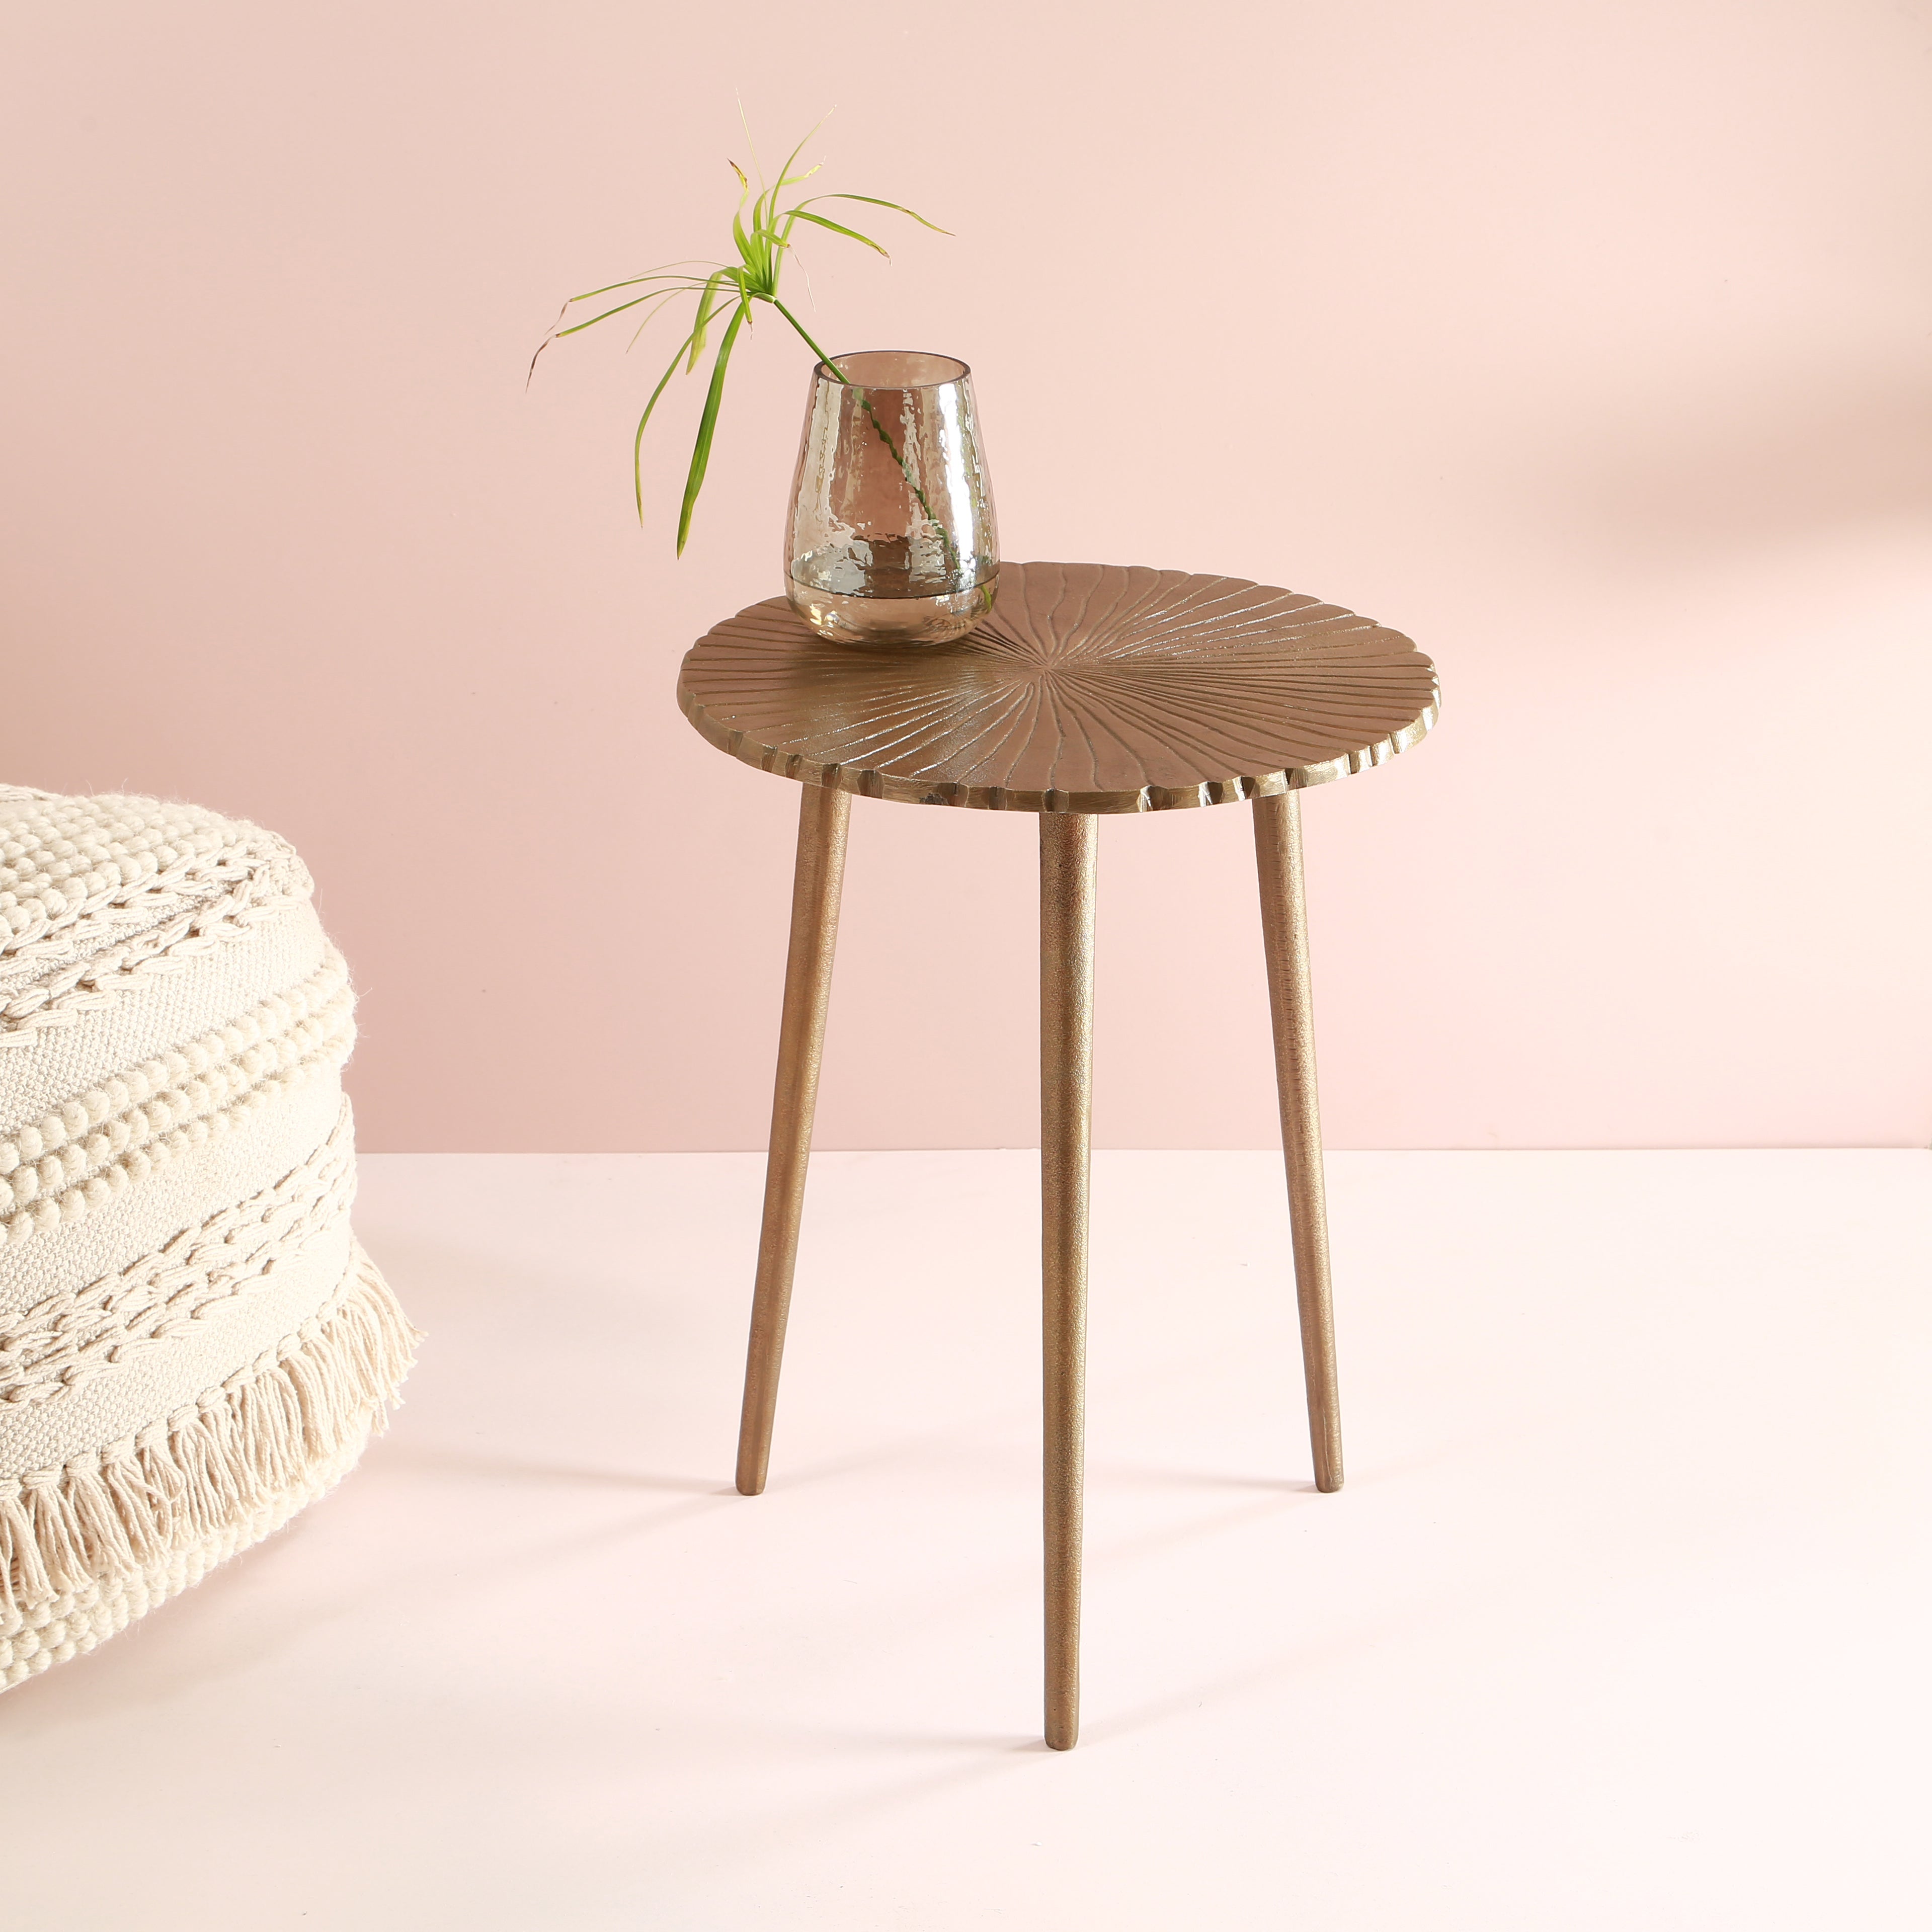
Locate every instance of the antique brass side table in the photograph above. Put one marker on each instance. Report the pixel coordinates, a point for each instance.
(1091, 689)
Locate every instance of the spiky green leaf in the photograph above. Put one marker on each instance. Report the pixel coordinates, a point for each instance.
(637, 441)
(701, 455)
(821, 221)
(897, 207)
(705, 313)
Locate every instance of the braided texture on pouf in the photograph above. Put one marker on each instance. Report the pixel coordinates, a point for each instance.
(192, 1344)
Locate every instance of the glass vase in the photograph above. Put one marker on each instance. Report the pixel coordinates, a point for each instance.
(892, 540)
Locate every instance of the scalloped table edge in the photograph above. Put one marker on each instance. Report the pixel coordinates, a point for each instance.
(868, 781)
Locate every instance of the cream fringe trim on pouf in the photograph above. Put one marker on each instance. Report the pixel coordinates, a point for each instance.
(86, 1548)
(193, 1347)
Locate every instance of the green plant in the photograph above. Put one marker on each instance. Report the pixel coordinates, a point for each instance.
(762, 245)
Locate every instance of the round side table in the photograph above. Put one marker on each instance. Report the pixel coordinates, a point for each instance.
(1091, 689)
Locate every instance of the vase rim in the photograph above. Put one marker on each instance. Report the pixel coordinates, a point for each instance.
(954, 370)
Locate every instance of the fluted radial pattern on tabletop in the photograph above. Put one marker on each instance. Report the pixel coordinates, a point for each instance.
(1091, 688)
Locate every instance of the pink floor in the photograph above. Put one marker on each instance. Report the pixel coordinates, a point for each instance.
(1620, 1621)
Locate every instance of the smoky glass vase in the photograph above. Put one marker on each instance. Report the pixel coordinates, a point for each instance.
(892, 540)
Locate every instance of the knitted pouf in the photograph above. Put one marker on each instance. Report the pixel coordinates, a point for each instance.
(192, 1344)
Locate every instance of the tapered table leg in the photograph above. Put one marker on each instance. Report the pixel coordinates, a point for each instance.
(816, 881)
(1284, 932)
(1068, 846)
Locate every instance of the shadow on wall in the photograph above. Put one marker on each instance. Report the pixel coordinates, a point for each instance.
(1767, 463)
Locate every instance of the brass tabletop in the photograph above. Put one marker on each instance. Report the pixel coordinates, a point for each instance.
(1091, 688)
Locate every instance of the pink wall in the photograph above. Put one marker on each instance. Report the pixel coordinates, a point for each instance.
(1587, 342)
